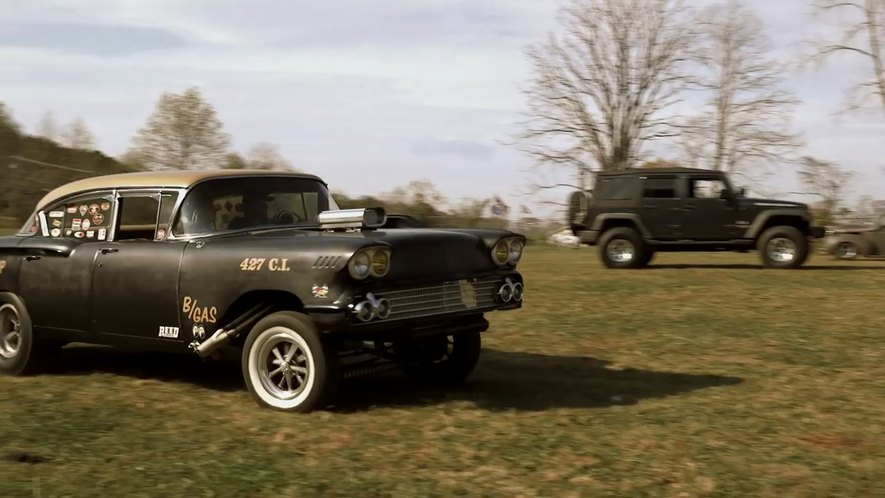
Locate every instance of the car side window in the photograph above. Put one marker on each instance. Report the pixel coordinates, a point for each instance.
(145, 216)
(659, 188)
(87, 217)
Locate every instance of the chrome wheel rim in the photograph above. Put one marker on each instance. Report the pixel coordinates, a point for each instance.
(620, 251)
(781, 249)
(846, 250)
(10, 331)
(281, 367)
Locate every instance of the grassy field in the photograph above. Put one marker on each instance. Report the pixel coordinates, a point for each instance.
(703, 375)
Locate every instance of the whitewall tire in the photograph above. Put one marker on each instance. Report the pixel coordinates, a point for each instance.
(287, 366)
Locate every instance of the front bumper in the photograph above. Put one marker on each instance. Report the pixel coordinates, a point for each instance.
(418, 305)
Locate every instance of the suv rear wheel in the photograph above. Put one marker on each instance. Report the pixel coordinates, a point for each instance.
(623, 247)
(783, 247)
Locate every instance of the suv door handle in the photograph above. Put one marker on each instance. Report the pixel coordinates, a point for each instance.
(32, 258)
(105, 250)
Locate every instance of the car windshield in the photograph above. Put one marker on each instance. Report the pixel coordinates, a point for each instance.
(226, 204)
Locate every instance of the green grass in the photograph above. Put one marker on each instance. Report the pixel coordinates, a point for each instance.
(704, 375)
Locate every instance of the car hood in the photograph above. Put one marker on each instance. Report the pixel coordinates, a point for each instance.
(415, 252)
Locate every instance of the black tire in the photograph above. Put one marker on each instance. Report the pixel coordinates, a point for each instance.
(25, 353)
(846, 250)
(648, 255)
(442, 360)
(270, 340)
(627, 239)
(790, 240)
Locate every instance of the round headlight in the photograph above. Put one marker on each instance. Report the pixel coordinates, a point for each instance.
(380, 263)
(360, 265)
(501, 252)
(516, 247)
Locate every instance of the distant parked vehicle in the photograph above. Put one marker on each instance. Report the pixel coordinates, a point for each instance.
(850, 243)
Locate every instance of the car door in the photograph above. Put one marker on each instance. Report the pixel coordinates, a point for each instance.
(709, 209)
(135, 282)
(57, 285)
(662, 211)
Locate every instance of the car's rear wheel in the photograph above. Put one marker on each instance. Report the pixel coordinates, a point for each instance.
(21, 352)
(623, 247)
(783, 247)
(846, 250)
(288, 366)
(443, 359)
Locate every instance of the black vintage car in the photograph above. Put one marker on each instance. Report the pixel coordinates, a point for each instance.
(192, 261)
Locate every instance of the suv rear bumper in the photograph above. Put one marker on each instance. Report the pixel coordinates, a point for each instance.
(589, 237)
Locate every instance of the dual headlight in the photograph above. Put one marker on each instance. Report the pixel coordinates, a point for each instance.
(371, 261)
(508, 251)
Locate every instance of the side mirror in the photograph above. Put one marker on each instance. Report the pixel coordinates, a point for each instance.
(742, 192)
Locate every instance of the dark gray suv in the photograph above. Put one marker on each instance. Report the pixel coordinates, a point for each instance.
(634, 213)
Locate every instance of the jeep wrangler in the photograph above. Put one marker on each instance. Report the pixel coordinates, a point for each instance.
(634, 213)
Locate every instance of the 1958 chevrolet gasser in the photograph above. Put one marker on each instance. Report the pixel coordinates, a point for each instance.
(191, 261)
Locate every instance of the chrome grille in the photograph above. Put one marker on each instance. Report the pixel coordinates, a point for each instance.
(447, 297)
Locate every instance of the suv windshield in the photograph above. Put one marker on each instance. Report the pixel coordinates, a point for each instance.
(246, 203)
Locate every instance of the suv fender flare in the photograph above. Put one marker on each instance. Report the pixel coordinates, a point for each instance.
(600, 220)
(762, 218)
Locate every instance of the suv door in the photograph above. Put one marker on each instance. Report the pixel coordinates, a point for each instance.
(709, 209)
(135, 283)
(662, 211)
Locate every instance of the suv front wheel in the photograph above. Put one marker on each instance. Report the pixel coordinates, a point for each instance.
(783, 247)
(623, 247)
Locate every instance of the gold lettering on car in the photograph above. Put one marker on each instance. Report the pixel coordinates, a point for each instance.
(2, 266)
(277, 264)
(196, 313)
(273, 264)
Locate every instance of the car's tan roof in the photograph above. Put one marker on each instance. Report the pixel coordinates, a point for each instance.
(149, 179)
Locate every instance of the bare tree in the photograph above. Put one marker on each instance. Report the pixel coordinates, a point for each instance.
(78, 136)
(600, 89)
(826, 180)
(47, 127)
(746, 120)
(267, 156)
(863, 34)
(182, 133)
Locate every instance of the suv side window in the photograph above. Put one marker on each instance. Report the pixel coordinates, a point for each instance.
(660, 187)
(617, 188)
(707, 188)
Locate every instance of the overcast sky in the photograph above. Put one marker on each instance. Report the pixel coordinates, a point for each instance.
(368, 95)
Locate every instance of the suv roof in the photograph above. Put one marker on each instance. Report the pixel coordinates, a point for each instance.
(646, 171)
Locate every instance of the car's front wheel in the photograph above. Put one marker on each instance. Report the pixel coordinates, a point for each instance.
(287, 365)
(783, 247)
(846, 250)
(443, 359)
